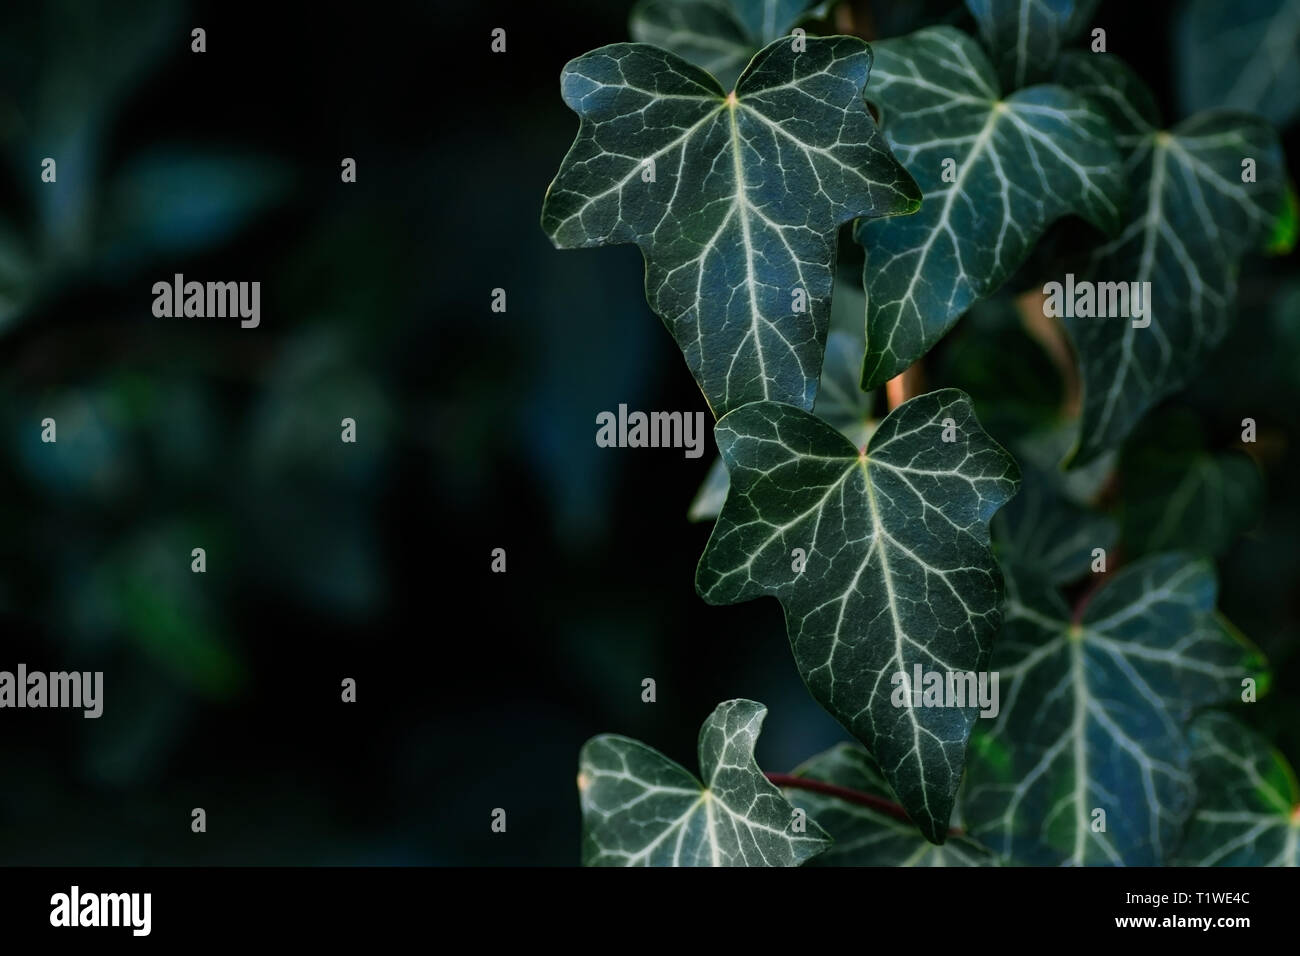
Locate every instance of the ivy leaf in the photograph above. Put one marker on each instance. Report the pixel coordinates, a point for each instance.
(720, 36)
(1191, 221)
(1045, 533)
(1258, 364)
(768, 20)
(898, 570)
(739, 223)
(1093, 713)
(1110, 84)
(1025, 36)
(1243, 55)
(1286, 229)
(706, 33)
(1015, 165)
(641, 809)
(840, 403)
(1020, 398)
(865, 836)
(1248, 801)
(1177, 494)
(1008, 375)
(1045, 448)
(897, 19)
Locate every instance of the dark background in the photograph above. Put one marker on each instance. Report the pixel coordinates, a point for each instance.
(476, 431)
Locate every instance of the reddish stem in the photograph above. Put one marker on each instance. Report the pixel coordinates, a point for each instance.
(1076, 617)
(887, 807)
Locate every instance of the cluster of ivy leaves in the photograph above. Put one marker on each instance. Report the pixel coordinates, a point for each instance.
(731, 144)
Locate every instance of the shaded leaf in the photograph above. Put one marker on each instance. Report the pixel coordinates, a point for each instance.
(641, 809)
(1243, 55)
(144, 593)
(1045, 448)
(1024, 37)
(897, 19)
(1093, 713)
(1191, 220)
(1045, 533)
(1113, 87)
(720, 36)
(1019, 397)
(840, 402)
(865, 836)
(1258, 363)
(1248, 801)
(1008, 375)
(899, 571)
(178, 202)
(747, 196)
(1178, 494)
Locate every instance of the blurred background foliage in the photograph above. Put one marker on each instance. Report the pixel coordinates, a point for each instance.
(475, 428)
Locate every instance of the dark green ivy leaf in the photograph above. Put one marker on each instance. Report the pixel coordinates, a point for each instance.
(897, 19)
(1019, 396)
(996, 172)
(1024, 37)
(898, 572)
(1093, 715)
(1247, 802)
(1044, 532)
(1044, 448)
(1178, 494)
(1258, 363)
(839, 399)
(1008, 375)
(1110, 84)
(839, 403)
(641, 809)
(865, 836)
(720, 36)
(1242, 55)
(1191, 221)
(739, 223)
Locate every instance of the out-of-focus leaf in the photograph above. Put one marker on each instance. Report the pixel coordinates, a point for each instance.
(720, 36)
(1044, 532)
(1046, 448)
(1010, 378)
(178, 202)
(145, 593)
(1093, 713)
(298, 464)
(865, 836)
(1179, 495)
(894, 19)
(1241, 55)
(1024, 37)
(1247, 799)
(1192, 218)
